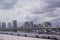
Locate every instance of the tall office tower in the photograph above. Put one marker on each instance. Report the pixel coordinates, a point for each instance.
(26, 25)
(9, 25)
(40, 25)
(31, 25)
(48, 24)
(15, 25)
(3, 25)
(0, 25)
(35, 26)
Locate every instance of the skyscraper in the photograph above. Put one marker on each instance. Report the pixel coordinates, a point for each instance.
(3, 25)
(47, 24)
(26, 25)
(31, 25)
(9, 25)
(15, 25)
(40, 25)
(0, 25)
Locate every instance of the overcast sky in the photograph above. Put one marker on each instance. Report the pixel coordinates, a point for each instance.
(30, 10)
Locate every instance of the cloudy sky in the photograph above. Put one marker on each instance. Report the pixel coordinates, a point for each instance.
(30, 10)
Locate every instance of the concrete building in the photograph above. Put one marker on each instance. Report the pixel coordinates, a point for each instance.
(9, 25)
(47, 24)
(15, 25)
(0, 25)
(26, 25)
(3, 25)
(40, 25)
(31, 24)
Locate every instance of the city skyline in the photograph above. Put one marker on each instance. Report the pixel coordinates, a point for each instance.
(14, 23)
(20, 19)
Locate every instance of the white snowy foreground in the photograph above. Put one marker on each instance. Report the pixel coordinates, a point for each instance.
(11, 37)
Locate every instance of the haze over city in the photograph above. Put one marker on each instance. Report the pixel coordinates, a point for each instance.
(30, 10)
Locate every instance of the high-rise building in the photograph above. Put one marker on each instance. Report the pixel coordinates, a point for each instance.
(15, 25)
(40, 25)
(9, 25)
(35, 26)
(26, 25)
(31, 25)
(47, 24)
(0, 25)
(3, 25)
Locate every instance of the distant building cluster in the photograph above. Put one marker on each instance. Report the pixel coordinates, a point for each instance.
(14, 25)
(8, 27)
(44, 28)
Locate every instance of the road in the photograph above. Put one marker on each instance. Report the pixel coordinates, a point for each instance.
(11, 37)
(30, 34)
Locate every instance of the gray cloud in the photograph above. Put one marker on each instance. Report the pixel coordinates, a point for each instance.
(53, 3)
(51, 9)
(49, 5)
(7, 4)
(35, 10)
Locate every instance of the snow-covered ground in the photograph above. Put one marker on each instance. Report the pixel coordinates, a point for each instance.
(10, 37)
